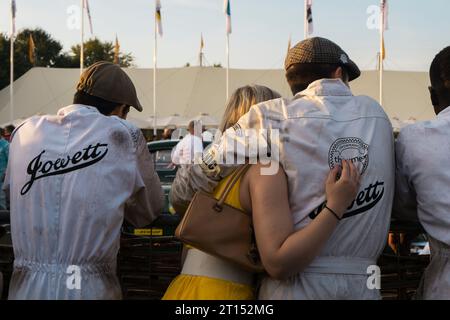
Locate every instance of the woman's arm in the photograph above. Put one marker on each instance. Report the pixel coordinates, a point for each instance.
(284, 251)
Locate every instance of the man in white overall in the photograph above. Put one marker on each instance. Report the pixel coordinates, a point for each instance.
(73, 178)
(323, 124)
(423, 180)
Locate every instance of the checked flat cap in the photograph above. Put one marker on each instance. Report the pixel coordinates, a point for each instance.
(109, 82)
(321, 50)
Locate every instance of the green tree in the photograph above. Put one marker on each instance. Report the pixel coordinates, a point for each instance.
(47, 53)
(4, 61)
(96, 50)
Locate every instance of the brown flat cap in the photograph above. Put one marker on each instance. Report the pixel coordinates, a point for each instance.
(321, 50)
(109, 82)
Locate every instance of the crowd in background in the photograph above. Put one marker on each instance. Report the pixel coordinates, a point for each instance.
(5, 136)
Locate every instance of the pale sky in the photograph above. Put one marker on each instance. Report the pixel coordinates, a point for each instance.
(418, 29)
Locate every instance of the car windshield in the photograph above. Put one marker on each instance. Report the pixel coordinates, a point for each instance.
(162, 159)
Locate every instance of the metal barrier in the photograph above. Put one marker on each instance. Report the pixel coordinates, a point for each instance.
(401, 270)
(6, 253)
(147, 264)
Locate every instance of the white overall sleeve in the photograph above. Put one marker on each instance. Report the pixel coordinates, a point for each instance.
(148, 198)
(219, 159)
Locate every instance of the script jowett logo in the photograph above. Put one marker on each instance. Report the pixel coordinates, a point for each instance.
(38, 169)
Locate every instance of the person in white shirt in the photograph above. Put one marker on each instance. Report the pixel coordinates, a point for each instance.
(320, 127)
(73, 178)
(423, 180)
(186, 150)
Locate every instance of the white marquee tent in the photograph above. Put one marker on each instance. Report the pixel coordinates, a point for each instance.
(174, 120)
(194, 92)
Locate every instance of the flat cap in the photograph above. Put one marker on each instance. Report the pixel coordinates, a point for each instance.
(321, 50)
(109, 82)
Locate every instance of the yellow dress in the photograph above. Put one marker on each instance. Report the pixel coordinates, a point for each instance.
(192, 287)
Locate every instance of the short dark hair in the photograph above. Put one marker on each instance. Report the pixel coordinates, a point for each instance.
(440, 71)
(191, 125)
(10, 128)
(301, 75)
(104, 107)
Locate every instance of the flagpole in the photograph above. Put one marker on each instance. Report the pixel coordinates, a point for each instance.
(201, 51)
(82, 38)
(227, 11)
(228, 65)
(11, 61)
(381, 54)
(306, 19)
(289, 43)
(155, 51)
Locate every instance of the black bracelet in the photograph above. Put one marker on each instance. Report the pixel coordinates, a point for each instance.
(334, 213)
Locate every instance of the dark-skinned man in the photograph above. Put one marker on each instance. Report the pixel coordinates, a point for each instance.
(423, 180)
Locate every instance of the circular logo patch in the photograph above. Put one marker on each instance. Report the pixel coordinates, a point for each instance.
(353, 149)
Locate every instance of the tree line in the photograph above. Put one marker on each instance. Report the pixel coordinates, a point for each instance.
(45, 51)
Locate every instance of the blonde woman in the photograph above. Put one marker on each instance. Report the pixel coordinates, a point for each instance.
(283, 251)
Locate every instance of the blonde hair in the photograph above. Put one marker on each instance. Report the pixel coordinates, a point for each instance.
(242, 100)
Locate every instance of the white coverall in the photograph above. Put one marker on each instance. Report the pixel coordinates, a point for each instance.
(73, 176)
(422, 193)
(317, 129)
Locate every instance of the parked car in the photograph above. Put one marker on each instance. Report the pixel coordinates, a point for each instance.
(420, 245)
(162, 156)
(161, 152)
(167, 171)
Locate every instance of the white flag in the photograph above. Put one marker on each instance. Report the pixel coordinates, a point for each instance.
(89, 15)
(158, 18)
(385, 12)
(309, 17)
(13, 17)
(227, 10)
